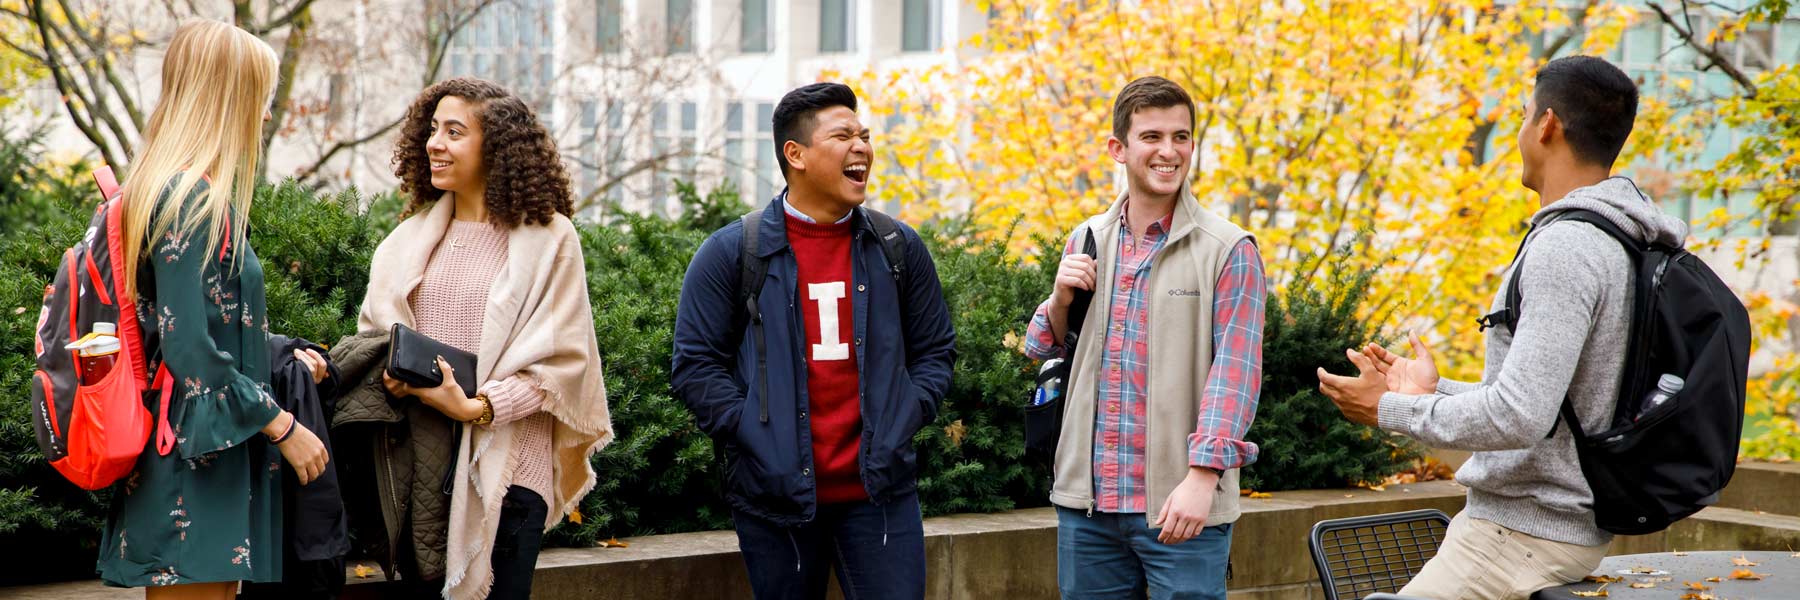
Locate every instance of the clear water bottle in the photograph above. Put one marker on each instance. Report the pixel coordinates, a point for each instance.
(1666, 387)
(1050, 383)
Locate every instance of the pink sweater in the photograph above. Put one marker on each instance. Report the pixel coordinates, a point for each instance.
(447, 306)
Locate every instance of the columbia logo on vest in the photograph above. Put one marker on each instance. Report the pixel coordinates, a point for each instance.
(1185, 292)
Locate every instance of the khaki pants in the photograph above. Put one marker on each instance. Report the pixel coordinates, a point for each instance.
(1480, 560)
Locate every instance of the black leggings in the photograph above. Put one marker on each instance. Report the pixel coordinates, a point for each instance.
(516, 544)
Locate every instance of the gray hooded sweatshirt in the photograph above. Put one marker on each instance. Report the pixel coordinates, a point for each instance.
(1570, 339)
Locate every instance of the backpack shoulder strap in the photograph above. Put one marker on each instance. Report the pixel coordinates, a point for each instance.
(1078, 306)
(752, 270)
(893, 244)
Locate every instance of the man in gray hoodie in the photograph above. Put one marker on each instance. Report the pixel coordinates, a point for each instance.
(1529, 521)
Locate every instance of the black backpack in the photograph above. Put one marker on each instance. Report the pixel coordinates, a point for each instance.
(752, 269)
(1655, 465)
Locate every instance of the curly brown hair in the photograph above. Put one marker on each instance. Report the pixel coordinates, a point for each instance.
(526, 182)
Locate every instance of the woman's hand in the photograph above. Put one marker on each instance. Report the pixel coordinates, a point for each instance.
(300, 447)
(314, 362)
(305, 452)
(447, 397)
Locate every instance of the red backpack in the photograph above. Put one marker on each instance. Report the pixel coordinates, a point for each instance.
(92, 434)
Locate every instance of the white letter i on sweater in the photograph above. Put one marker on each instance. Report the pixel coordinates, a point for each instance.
(831, 345)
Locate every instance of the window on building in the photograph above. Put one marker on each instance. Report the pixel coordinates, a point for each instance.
(837, 26)
(1643, 44)
(680, 16)
(675, 135)
(510, 43)
(921, 25)
(754, 32)
(768, 171)
(609, 17)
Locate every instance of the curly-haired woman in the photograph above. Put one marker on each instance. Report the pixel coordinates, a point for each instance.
(488, 262)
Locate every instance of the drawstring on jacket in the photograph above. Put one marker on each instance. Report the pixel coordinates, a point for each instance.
(796, 544)
(884, 527)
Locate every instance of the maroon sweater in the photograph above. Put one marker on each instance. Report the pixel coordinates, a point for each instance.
(823, 254)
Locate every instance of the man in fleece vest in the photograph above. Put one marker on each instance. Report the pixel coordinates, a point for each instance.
(1166, 382)
(1529, 521)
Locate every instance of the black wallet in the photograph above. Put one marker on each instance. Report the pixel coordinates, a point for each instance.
(412, 359)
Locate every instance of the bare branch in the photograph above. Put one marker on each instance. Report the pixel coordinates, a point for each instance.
(313, 169)
(298, 11)
(41, 23)
(1710, 51)
(284, 86)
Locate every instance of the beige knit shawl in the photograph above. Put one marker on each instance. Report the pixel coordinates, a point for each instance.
(537, 323)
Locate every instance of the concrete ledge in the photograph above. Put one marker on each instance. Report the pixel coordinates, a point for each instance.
(1767, 487)
(1013, 554)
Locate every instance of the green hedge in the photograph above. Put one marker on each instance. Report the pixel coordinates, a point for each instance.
(661, 474)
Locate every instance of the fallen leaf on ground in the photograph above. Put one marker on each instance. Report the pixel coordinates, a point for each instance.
(1747, 575)
(1742, 562)
(1246, 492)
(575, 516)
(1597, 593)
(363, 571)
(614, 543)
(1354, 495)
(1714, 579)
(1603, 579)
(1641, 571)
(1680, 553)
(1261, 495)
(1660, 579)
(1694, 596)
(1642, 585)
(1695, 585)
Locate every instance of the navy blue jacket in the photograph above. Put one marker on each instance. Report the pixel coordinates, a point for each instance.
(904, 364)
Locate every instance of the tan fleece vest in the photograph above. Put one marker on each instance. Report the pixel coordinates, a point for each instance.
(1182, 278)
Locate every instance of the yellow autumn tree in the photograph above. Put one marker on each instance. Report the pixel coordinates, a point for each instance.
(1382, 127)
(1385, 128)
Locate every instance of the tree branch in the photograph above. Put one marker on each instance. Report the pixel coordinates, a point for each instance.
(1709, 51)
(41, 22)
(98, 52)
(284, 86)
(293, 14)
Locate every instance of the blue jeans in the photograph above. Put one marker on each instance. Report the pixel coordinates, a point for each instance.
(878, 552)
(1116, 555)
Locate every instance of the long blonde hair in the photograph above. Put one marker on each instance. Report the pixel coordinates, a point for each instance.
(217, 80)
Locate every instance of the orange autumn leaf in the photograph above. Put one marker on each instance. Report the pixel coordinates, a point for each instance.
(1603, 579)
(1743, 562)
(1747, 575)
(364, 572)
(1261, 495)
(1642, 585)
(614, 543)
(1696, 596)
(1714, 579)
(1695, 585)
(575, 516)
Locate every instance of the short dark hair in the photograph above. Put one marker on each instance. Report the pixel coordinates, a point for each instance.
(1595, 101)
(794, 115)
(1147, 92)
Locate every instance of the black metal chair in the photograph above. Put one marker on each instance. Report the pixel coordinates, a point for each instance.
(1377, 554)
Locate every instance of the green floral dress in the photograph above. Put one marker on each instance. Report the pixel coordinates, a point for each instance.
(210, 510)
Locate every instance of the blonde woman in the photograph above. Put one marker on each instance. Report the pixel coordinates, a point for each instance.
(202, 510)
